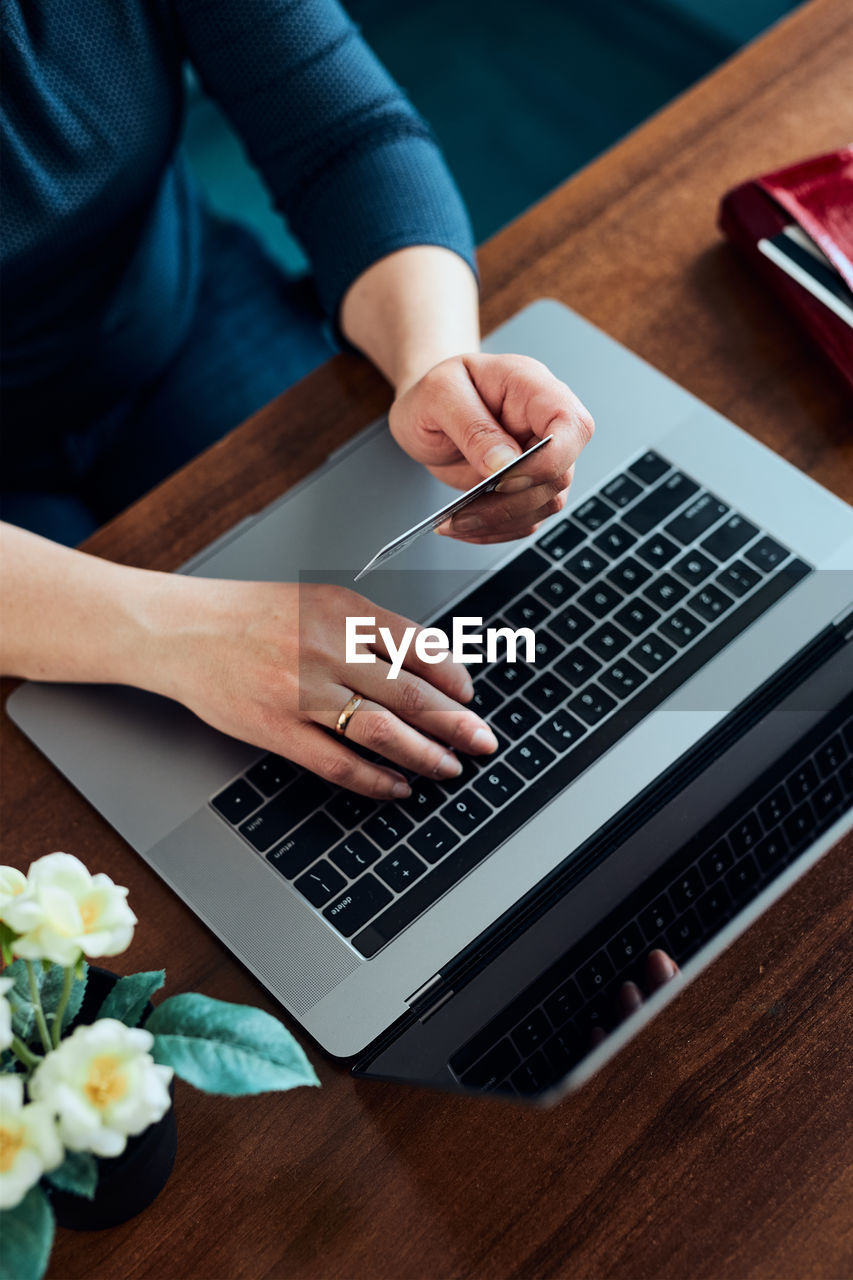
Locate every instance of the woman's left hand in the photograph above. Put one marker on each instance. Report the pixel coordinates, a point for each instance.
(470, 415)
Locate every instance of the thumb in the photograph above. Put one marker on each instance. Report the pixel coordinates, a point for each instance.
(477, 434)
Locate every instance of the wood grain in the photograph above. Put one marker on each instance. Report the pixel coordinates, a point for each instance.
(719, 1145)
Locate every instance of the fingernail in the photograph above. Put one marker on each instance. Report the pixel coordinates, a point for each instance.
(401, 790)
(447, 767)
(515, 484)
(484, 742)
(630, 998)
(467, 692)
(443, 528)
(499, 456)
(661, 967)
(466, 524)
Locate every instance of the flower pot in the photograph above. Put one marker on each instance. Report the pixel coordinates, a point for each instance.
(128, 1183)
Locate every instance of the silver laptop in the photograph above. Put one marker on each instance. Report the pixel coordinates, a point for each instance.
(677, 755)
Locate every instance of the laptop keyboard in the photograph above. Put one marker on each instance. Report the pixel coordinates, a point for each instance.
(547, 1030)
(629, 596)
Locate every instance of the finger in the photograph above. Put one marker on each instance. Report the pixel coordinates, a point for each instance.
(630, 999)
(450, 677)
(420, 704)
(456, 412)
(332, 760)
(514, 512)
(376, 728)
(492, 539)
(660, 969)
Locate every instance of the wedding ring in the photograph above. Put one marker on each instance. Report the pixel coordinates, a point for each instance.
(347, 714)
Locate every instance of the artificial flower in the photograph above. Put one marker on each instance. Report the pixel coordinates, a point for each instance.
(103, 1085)
(5, 1014)
(65, 910)
(12, 884)
(29, 1142)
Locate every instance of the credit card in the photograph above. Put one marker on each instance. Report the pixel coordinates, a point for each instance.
(398, 544)
(800, 258)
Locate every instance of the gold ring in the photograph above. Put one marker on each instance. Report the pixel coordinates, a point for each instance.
(348, 713)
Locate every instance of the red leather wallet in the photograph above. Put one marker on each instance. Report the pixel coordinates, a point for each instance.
(816, 196)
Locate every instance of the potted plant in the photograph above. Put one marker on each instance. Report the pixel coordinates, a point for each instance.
(87, 1127)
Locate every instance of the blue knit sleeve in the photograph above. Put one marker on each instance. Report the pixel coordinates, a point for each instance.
(350, 163)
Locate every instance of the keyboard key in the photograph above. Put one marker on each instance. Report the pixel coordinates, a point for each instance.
(845, 777)
(494, 1067)
(531, 1033)
(745, 834)
(426, 797)
(742, 878)
(498, 784)
(529, 612)
(433, 840)
(660, 503)
(600, 599)
(658, 550)
(466, 812)
(656, 918)
(400, 869)
(831, 756)
(593, 513)
(637, 617)
(532, 1076)
(486, 698)
(237, 801)
(649, 468)
(530, 757)
(564, 1050)
(491, 597)
(578, 666)
(515, 719)
(509, 677)
(565, 1002)
(361, 901)
(594, 976)
(561, 731)
(685, 891)
(556, 590)
(773, 853)
(693, 568)
(800, 826)
(738, 578)
(561, 539)
(772, 810)
(586, 565)
(726, 541)
(388, 827)
(710, 603)
(608, 640)
(682, 627)
(304, 845)
(714, 907)
(349, 809)
(802, 782)
(622, 490)
(827, 798)
(320, 884)
(286, 811)
(622, 678)
(766, 555)
(684, 937)
(354, 855)
(652, 653)
(665, 591)
(696, 519)
(629, 575)
(271, 774)
(570, 623)
(548, 692)
(716, 861)
(547, 648)
(592, 705)
(625, 949)
(614, 541)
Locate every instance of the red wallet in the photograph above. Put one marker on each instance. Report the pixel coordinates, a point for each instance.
(796, 227)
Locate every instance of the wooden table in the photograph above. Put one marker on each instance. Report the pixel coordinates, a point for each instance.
(721, 1144)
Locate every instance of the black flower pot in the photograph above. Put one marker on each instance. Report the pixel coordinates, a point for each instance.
(128, 1183)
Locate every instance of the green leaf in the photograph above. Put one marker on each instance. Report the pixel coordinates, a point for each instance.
(19, 998)
(26, 1236)
(51, 990)
(130, 995)
(78, 1173)
(7, 936)
(226, 1048)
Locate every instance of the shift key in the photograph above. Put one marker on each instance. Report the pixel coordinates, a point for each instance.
(358, 905)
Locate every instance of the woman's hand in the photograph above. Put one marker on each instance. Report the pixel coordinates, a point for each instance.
(265, 662)
(470, 415)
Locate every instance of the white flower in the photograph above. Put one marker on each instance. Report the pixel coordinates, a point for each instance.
(103, 1085)
(12, 883)
(65, 910)
(29, 1142)
(5, 1014)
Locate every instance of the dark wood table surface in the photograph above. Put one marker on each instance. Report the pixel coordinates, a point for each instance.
(720, 1144)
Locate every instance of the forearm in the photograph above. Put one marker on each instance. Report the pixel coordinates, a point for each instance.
(411, 310)
(71, 616)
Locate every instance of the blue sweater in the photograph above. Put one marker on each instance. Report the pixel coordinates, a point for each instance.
(100, 219)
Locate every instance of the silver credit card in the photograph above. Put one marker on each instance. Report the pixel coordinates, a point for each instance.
(398, 544)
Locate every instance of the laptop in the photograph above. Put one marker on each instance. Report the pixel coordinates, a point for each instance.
(677, 755)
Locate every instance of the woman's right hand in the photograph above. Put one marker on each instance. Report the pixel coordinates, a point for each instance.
(265, 663)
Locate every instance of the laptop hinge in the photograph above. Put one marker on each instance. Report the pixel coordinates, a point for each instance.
(421, 1001)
